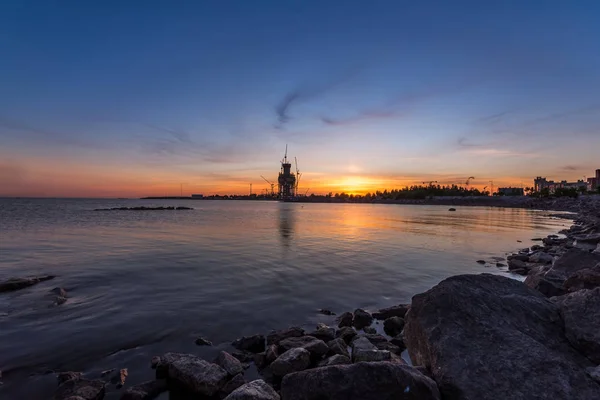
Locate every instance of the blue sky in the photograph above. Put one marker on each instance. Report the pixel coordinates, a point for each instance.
(132, 98)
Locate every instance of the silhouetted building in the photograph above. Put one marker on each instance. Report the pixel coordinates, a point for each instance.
(540, 184)
(197, 196)
(511, 191)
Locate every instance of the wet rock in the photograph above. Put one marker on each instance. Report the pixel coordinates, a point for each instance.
(107, 372)
(293, 360)
(537, 239)
(581, 314)
(361, 345)
(500, 265)
(336, 359)
(481, 262)
(84, 388)
(271, 354)
(551, 241)
(592, 238)
(362, 381)
(162, 368)
(229, 363)
(277, 336)
(59, 292)
(398, 340)
(316, 347)
(338, 346)
(518, 257)
(254, 343)
(145, 391)
(588, 278)
(13, 284)
(203, 342)
(371, 356)
(536, 247)
(255, 390)
(361, 318)
(346, 333)
(514, 264)
(372, 338)
(345, 319)
(541, 258)
(324, 333)
(388, 346)
(490, 337)
(243, 356)
(393, 326)
(325, 311)
(233, 384)
(196, 375)
(370, 330)
(452, 209)
(395, 311)
(62, 377)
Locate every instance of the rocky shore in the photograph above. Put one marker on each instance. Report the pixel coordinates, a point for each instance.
(469, 337)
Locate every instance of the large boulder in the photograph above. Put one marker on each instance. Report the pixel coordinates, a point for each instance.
(145, 391)
(338, 346)
(337, 359)
(345, 319)
(196, 375)
(254, 343)
(347, 333)
(362, 381)
(395, 311)
(277, 336)
(229, 363)
(255, 390)
(325, 333)
(293, 360)
(231, 385)
(361, 318)
(588, 278)
(82, 388)
(541, 258)
(490, 337)
(393, 326)
(581, 312)
(316, 347)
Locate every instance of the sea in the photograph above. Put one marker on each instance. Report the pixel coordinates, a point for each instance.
(143, 283)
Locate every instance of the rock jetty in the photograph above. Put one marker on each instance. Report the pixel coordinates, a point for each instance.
(142, 208)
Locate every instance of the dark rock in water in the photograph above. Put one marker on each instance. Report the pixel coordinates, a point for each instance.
(452, 209)
(536, 247)
(337, 359)
(203, 342)
(588, 278)
(196, 375)
(581, 313)
(592, 238)
(398, 340)
(346, 333)
(243, 356)
(388, 346)
(500, 265)
(490, 337)
(293, 360)
(519, 241)
(271, 354)
(537, 239)
(362, 381)
(338, 346)
(345, 319)
(370, 330)
(395, 311)
(277, 336)
(83, 388)
(233, 384)
(518, 257)
(541, 258)
(324, 333)
(393, 326)
(254, 343)
(13, 284)
(361, 318)
(107, 372)
(481, 262)
(229, 363)
(255, 390)
(145, 391)
(59, 292)
(550, 241)
(316, 347)
(67, 376)
(142, 208)
(59, 300)
(372, 338)
(325, 311)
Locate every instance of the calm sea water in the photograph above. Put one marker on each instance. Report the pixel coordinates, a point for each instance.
(144, 283)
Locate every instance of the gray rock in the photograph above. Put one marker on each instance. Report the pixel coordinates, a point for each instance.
(370, 330)
(316, 347)
(260, 360)
(481, 262)
(203, 342)
(13, 284)
(581, 313)
(398, 340)
(59, 292)
(293, 360)
(254, 343)
(371, 355)
(518, 257)
(346, 333)
(229, 363)
(345, 319)
(490, 337)
(393, 326)
(361, 318)
(592, 238)
(277, 336)
(62, 377)
(361, 345)
(392, 348)
(372, 338)
(338, 346)
(514, 264)
(243, 356)
(255, 390)
(233, 384)
(541, 258)
(145, 391)
(324, 333)
(588, 278)
(500, 265)
(84, 388)
(197, 375)
(325, 311)
(337, 359)
(271, 354)
(395, 311)
(362, 381)
(594, 372)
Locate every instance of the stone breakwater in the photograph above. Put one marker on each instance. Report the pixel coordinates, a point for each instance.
(469, 337)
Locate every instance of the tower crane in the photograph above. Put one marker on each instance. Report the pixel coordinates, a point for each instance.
(271, 184)
(298, 174)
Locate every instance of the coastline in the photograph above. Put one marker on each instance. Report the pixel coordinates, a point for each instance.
(382, 351)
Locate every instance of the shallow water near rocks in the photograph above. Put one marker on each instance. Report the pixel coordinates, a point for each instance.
(145, 283)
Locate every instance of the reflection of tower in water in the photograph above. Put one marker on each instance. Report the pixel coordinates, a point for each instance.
(286, 223)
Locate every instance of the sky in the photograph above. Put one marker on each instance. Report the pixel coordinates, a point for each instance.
(152, 98)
